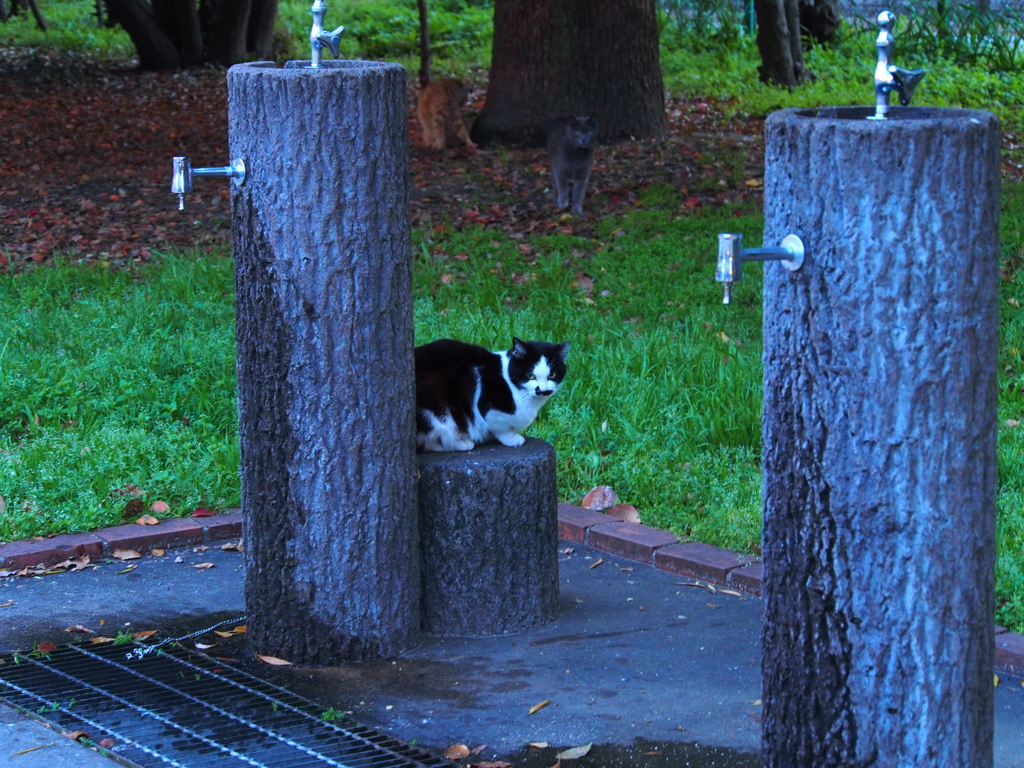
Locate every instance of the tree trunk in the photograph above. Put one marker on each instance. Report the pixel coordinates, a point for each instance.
(37, 14)
(573, 57)
(778, 41)
(260, 35)
(179, 19)
(821, 19)
(424, 44)
(879, 451)
(224, 30)
(326, 398)
(156, 50)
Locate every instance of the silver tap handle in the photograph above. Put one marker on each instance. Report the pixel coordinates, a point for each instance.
(905, 81)
(332, 41)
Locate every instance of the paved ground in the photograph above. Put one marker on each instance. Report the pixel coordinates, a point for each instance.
(637, 663)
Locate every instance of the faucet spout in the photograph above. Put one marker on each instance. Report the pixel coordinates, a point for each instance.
(732, 254)
(320, 38)
(889, 77)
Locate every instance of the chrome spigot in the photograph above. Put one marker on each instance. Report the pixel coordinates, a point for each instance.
(319, 39)
(889, 77)
(732, 254)
(182, 173)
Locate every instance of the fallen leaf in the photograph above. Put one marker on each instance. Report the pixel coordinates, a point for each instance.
(732, 592)
(478, 750)
(147, 520)
(200, 548)
(75, 735)
(100, 639)
(756, 703)
(179, 559)
(203, 512)
(125, 554)
(159, 507)
(1013, 302)
(539, 707)
(538, 744)
(626, 570)
(752, 183)
(575, 752)
(492, 764)
(1011, 423)
(596, 563)
(156, 552)
(46, 647)
(240, 629)
(995, 680)
(600, 497)
(3, 505)
(129, 569)
(106, 743)
(223, 634)
(205, 646)
(273, 660)
(144, 633)
(232, 546)
(625, 512)
(456, 752)
(79, 628)
(204, 566)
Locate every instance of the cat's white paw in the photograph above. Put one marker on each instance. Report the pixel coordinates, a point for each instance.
(463, 445)
(512, 439)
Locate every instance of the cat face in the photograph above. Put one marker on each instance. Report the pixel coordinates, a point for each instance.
(582, 130)
(537, 367)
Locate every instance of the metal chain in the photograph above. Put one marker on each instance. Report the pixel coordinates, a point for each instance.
(142, 651)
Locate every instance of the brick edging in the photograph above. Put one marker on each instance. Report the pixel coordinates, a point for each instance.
(168, 533)
(631, 541)
(714, 565)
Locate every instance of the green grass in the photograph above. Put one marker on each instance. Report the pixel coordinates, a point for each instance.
(115, 379)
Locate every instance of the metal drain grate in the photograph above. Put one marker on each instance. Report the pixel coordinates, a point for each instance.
(182, 708)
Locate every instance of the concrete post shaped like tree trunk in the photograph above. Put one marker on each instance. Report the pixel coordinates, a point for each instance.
(325, 359)
(880, 360)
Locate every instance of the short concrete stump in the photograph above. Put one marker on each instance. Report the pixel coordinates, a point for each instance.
(489, 539)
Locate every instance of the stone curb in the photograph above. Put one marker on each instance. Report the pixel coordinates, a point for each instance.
(630, 541)
(168, 533)
(713, 565)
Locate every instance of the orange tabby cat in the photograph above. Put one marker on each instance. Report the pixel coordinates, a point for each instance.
(440, 113)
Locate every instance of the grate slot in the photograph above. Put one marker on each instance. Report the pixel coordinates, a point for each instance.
(181, 708)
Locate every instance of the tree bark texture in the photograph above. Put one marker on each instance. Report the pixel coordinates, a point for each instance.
(425, 76)
(489, 532)
(778, 42)
(325, 359)
(577, 57)
(157, 51)
(879, 423)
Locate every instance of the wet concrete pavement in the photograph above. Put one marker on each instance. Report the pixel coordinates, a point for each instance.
(637, 662)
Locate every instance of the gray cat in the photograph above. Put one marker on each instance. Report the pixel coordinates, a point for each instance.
(571, 155)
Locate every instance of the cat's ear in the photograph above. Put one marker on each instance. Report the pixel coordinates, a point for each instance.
(563, 349)
(518, 348)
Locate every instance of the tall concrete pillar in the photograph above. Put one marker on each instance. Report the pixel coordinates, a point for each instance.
(880, 360)
(325, 359)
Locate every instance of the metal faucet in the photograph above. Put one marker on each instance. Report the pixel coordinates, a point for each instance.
(732, 254)
(889, 77)
(320, 39)
(181, 177)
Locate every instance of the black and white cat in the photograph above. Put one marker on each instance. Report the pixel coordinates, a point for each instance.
(571, 156)
(467, 395)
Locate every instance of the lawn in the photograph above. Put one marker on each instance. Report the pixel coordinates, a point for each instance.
(119, 383)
